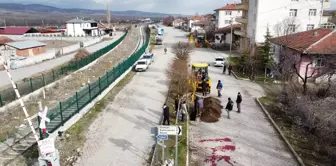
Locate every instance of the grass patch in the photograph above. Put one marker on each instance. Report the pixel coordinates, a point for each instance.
(233, 60)
(170, 143)
(75, 136)
(304, 143)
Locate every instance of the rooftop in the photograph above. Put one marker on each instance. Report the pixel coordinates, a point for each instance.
(25, 44)
(4, 39)
(197, 18)
(228, 28)
(316, 41)
(78, 20)
(228, 7)
(17, 30)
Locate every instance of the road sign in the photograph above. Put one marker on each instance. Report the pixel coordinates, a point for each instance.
(162, 137)
(47, 146)
(169, 130)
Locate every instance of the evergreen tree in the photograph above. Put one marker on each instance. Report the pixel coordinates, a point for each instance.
(265, 51)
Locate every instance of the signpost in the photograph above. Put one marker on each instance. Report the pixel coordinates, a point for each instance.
(162, 137)
(170, 130)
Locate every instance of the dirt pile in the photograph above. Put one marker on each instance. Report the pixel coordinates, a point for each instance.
(82, 53)
(212, 110)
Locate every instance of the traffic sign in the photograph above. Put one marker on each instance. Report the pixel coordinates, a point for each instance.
(47, 146)
(169, 130)
(162, 137)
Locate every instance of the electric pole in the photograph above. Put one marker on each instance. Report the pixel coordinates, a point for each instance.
(231, 36)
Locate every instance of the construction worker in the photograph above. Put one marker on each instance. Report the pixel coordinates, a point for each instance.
(229, 107)
(204, 87)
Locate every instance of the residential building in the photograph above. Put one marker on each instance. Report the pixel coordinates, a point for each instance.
(80, 27)
(223, 35)
(177, 23)
(193, 20)
(17, 31)
(226, 14)
(279, 16)
(311, 48)
(26, 48)
(329, 19)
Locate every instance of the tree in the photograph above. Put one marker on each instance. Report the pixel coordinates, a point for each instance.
(168, 21)
(265, 53)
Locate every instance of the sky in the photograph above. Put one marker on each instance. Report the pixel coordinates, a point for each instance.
(188, 7)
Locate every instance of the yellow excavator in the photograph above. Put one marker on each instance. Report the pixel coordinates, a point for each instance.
(199, 72)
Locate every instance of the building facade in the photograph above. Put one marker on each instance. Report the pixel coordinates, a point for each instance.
(226, 14)
(279, 17)
(80, 28)
(26, 48)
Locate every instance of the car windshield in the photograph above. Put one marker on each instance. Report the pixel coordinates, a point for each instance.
(141, 63)
(219, 59)
(147, 57)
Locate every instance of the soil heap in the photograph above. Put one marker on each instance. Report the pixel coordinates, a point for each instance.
(212, 110)
(82, 53)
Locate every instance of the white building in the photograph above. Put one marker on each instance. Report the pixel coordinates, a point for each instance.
(225, 14)
(279, 16)
(80, 27)
(193, 20)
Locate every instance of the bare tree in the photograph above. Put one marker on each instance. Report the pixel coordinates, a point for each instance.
(286, 27)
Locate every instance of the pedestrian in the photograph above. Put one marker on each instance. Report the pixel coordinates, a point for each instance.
(166, 114)
(230, 69)
(200, 103)
(229, 107)
(224, 68)
(204, 87)
(176, 104)
(183, 110)
(165, 50)
(219, 88)
(238, 101)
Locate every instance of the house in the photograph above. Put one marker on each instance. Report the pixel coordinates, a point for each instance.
(315, 49)
(278, 17)
(17, 30)
(26, 48)
(329, 20)
(223, 35)
(177, 23)
(226, 14)
(80, 27)
(192, 20)
(3, 41)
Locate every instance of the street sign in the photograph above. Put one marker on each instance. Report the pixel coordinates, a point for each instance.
(169, 130)
(162, 137)
(47, 146)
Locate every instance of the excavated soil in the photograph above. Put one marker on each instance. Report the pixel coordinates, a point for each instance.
(212, 110)
(82, 53)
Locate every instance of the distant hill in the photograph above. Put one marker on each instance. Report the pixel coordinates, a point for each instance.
(43, 9)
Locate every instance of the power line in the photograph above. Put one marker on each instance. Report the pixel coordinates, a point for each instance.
(309, 6)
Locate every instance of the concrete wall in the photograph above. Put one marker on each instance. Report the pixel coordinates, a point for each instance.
(50, 54)
(263, 14)
(91, 42)
(223, 20)
(31, 51)
(71, 48)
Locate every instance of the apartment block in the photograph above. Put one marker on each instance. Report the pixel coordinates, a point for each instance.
(225, 14)
(281, 17)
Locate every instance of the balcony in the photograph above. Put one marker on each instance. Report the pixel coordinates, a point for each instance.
(240, 33)
(243, 6)
(242, 20)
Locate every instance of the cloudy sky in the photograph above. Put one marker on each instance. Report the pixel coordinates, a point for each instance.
(162, 6)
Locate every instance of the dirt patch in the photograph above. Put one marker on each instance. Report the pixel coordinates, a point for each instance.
(82, 53)
(212, 110)
(64, 89)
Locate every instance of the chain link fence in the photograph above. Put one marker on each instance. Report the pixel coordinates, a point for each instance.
(29, 85)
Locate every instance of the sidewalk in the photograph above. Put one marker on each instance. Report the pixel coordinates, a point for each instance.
(28, 71)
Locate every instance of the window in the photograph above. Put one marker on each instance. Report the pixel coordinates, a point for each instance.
(293, 12)
(319, 62)
(227, 21)
(312, 12)
(310, 27)
(291, 28)
(228, 12)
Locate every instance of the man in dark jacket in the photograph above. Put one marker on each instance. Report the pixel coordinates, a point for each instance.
(166, 114)
(176, 104)
(204, 87)
(238, 101)
(224, 68)
(229, 107)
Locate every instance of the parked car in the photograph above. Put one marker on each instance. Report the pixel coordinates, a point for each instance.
(142, 65)
(219, 61)
(148, 57)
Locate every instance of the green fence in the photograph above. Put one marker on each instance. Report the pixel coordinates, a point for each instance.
(29, 85)
(65, 110)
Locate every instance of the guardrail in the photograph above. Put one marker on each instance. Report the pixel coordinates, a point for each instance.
(29, 85)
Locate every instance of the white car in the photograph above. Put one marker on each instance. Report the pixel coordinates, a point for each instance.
(219, 61)
(148, 57)
(142, 65)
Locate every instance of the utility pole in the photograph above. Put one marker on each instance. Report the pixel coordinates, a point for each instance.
(108, 14)
(26, 23)
(231, 36)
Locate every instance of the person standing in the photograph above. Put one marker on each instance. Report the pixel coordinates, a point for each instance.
(229, 107)
(230, 69)
(224, 68)
(219, 88)
(166, 114)
(176, 104)
(200, 103)
(183, 110)
(165, 50)
(204, 87)
(239, 100)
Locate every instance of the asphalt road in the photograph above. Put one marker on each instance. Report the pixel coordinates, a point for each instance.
(28, 71)
(121, 135)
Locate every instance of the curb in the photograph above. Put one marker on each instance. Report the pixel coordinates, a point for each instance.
(238, 78)
(296, 156)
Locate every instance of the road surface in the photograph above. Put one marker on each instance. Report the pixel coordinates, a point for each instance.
(28, 71)
(247, 138)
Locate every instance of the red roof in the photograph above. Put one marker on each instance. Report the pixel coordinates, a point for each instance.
(325, 46)
(197, 18)
(16, 30)
(228, 28)
(4, 39)
(304, 41)
(228, 7)
(199, 23)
